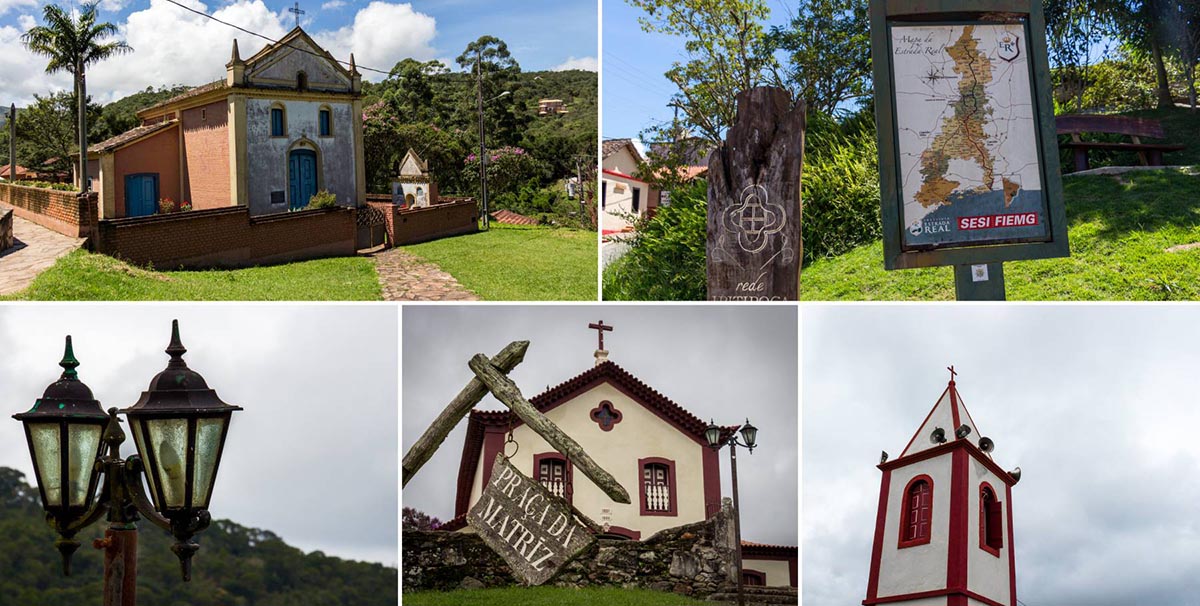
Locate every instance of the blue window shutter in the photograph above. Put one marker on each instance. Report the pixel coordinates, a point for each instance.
(324, 120)
(276, 122)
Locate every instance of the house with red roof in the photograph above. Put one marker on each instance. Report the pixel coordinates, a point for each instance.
(652, 445)
(280, 127)
(624, 197)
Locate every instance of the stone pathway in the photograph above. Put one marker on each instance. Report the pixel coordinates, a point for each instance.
(406, 277)
(36, 249)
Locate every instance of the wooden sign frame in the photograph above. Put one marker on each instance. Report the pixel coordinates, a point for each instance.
(898, 255)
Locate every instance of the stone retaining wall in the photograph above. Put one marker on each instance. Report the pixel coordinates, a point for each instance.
(694, 560)
(65, 212)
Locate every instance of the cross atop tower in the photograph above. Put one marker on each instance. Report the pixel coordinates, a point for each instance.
(952, 372)
(600, 329)
(296, 11)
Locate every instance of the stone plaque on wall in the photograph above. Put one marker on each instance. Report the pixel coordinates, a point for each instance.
(534, 531)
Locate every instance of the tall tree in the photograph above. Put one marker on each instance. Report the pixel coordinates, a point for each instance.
(46, 129)
(73, 41)
(828, 45)
(726, 54)
(494, 71)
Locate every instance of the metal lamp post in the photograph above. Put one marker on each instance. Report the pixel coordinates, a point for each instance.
(482, 144)
(749, 433)
(179, 427)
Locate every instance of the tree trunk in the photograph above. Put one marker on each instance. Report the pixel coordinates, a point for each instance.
(1160, 72)
(754, 209)
(436, 433)
(507, 392)
(81, 101)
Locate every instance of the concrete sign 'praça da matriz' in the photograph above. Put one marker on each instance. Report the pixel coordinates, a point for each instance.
(534, 531)
(968, 155)
(753, 247)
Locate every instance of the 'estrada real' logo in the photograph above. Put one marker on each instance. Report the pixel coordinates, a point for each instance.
(1008, 47)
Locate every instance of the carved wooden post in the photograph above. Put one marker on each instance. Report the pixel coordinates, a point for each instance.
(754, 247)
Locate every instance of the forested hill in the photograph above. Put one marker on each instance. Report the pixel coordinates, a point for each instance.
(236, 566)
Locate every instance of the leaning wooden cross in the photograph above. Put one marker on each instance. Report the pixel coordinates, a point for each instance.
(534, 531)
(754, 247)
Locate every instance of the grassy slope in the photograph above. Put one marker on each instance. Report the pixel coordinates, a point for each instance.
(511, 263)
(84, 276)
(548, 596)
(1119, 228)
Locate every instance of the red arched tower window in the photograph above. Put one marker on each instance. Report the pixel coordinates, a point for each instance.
(917, 517)
(991, 526)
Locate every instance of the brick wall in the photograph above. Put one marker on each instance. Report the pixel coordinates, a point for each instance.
(228, 237)
(62, 211)
(423, 224)
(206, 155)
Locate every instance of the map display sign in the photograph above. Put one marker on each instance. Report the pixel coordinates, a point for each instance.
(534, 531)
(967, 148)
(967, 134)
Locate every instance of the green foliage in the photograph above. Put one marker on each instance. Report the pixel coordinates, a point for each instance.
(84, 276)
(507, 169)
(47, 185)
(666, 257)
(519, 263)
(828, 46)
(1129, 237)
(548, 204)
(46, 131)
(121, 115)
(725, 47)
(236, 565)
(72, 40)
(549, 596)
(840, 188)
(322, 199)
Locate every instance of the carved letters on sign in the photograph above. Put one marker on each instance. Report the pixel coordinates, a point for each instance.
(534, 531)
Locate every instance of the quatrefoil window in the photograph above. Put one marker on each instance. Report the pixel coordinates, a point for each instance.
(605, 415)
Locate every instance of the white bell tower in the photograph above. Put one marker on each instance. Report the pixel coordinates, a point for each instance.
(943, 533)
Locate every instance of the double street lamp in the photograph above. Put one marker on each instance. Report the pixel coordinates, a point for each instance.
(179, 427)
(717, 437)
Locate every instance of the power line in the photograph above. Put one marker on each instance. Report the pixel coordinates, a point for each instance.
(273, 41)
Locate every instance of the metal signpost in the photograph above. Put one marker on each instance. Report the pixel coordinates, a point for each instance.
(968, 156)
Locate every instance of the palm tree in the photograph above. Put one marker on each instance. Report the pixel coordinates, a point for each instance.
(72, 41)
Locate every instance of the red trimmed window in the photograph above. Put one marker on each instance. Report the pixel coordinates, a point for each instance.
(657, 486)
(917, 517)
(553, 472)
(991, 526)
(753, 577)
(605, 415)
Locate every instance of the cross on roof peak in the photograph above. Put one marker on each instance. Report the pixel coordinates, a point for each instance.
(296, 11)
(600, 329)
(952, 372)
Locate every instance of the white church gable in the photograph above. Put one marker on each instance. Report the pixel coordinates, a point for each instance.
(298, 54)
(948, 414)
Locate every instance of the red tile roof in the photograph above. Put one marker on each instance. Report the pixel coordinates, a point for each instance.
(512, 218)
(130, 136)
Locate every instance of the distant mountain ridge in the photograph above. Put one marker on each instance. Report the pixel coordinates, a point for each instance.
(236, 565)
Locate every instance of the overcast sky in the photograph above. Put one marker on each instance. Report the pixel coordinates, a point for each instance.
(1096, 404)
(722, 362)
(312, 457)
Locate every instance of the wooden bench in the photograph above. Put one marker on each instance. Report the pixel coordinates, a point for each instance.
(1151, 154)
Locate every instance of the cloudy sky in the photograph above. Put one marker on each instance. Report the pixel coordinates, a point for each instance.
(313, 455)
(1096, 404)
(175, 46)
(722, 362)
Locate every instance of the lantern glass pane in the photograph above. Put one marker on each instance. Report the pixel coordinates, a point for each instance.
(47, 452)
(137, 427)
(168, 442)
(83, 442)
(208, 452)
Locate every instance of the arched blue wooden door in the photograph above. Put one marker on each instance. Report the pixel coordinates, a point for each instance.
(141, 194)
(302, 177)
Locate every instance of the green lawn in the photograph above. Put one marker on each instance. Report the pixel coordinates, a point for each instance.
(526, 263)
(1120, 230)
(547, 596)
(84, 276)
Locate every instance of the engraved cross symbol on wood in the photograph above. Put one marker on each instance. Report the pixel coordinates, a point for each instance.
(754, 218)
(296, 11)
(600, 329)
